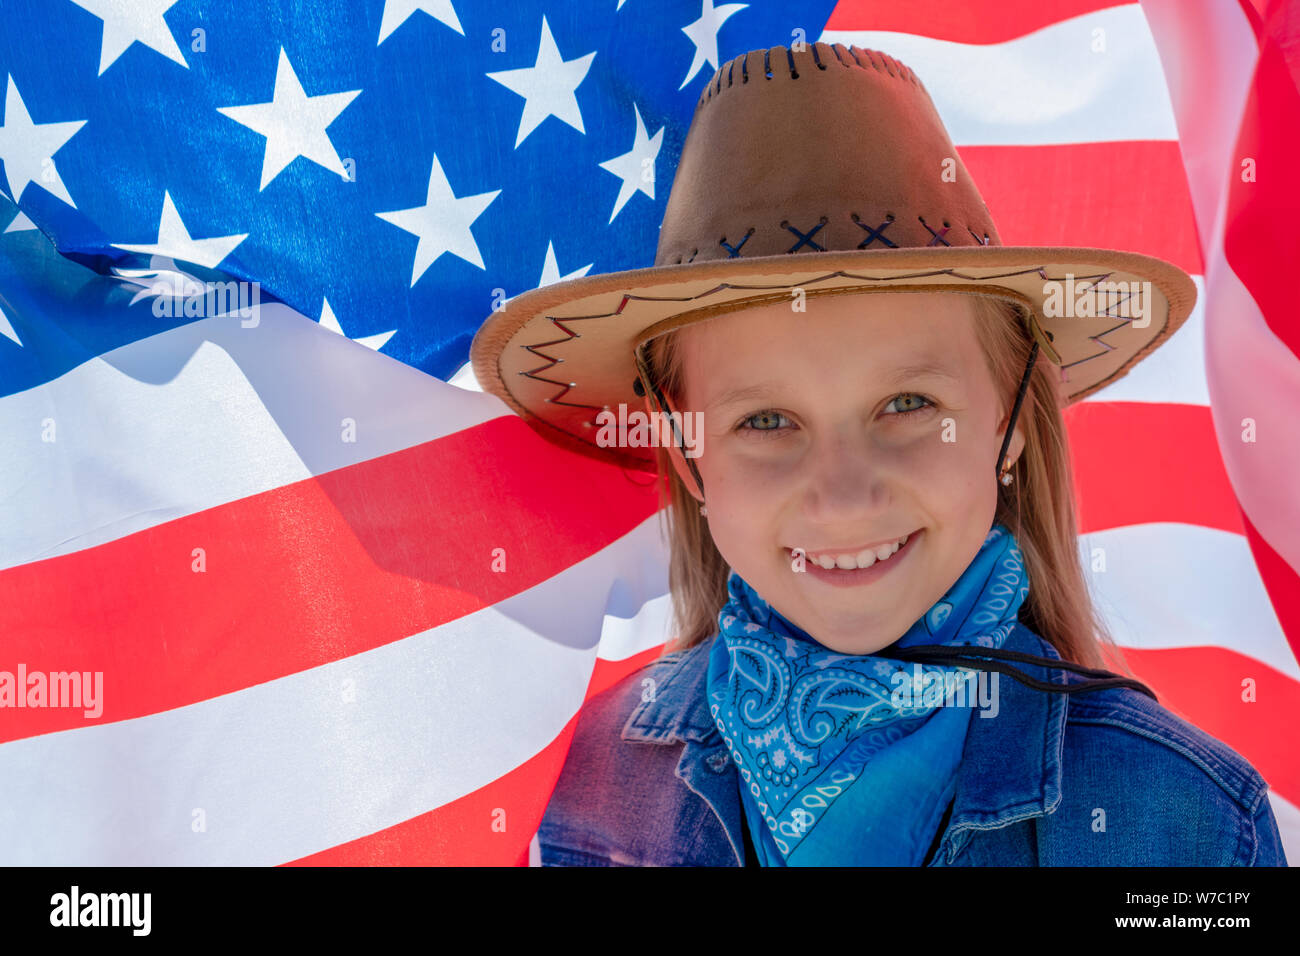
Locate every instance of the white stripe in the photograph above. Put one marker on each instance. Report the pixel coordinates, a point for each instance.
(202, 415)
(290, 767)
(1044, 87)
(1181, 585)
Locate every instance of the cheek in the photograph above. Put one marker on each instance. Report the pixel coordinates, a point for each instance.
(953, 477)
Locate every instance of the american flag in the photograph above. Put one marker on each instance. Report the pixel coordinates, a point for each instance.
(345, 606)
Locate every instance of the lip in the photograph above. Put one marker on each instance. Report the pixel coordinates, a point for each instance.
(839, 578)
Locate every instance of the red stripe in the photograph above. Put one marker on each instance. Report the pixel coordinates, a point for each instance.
(1281, 582)
(1140, 463)
(309, 573)
(1261, 242)
(1129, 195)
(491, 826)
(982, 21)
(1203, 685)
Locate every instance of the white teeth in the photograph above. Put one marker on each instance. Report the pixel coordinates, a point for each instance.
(864, 559)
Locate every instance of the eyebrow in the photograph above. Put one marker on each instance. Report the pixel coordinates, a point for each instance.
(900, 374)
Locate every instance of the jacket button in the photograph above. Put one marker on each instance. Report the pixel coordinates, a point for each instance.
(718, 762)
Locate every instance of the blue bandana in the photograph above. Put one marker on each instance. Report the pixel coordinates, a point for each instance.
(837, 767)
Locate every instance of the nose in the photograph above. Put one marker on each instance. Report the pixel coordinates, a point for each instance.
(847, 480)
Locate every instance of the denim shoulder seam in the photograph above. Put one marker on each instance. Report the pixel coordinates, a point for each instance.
(1250, 786)
(1248, 843)
(676, 663)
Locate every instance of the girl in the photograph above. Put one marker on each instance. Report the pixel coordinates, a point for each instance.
(885, 654)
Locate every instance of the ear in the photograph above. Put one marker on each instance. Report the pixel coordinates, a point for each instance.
(668, 442)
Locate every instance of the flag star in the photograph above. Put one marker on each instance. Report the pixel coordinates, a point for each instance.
(133, 21)
(704, 34)
(442, 223)
(549, 87)
(27, 149)
(20, 223)
(551, 269)
(6, 329)
(328, 320)
(637, 167)
(293, 123)
(174, 241)
(396, 12)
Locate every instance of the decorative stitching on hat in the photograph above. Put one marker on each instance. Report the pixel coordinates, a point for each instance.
(938, 236)
(733, 252)
(873, 234)
(805, 238)
(569, 334)
(875, 59)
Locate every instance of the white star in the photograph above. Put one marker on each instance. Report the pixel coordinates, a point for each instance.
(293, 123)
(637, 167)
(20, 223)
(549, 87)
(27, 149)
(7, 330)
(133, 21)
(328, 320)
(551, 269)
(442, 223)
(174, 241)
(396, 13)
(704, 34)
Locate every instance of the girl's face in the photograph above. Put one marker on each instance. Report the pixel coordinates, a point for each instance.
(863, 419)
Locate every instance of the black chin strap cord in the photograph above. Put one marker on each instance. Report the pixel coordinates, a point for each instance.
(970, 657)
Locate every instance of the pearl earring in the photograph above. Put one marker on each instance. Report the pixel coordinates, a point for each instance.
(704, 510)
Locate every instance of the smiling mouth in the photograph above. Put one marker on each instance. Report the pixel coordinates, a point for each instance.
(853, 560)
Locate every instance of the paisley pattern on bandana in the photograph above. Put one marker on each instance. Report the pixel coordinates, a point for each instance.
(837, 769)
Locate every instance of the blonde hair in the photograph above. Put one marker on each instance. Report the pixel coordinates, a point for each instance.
(1038, 506)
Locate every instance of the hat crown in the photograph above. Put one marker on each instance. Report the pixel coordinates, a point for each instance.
(819, 147)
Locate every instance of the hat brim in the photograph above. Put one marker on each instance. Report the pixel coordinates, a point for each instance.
(560, 354)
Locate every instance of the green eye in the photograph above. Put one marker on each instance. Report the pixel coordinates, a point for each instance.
(910, 402)
(767, 420)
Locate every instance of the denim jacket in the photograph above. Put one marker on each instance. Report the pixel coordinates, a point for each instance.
(1104, 778)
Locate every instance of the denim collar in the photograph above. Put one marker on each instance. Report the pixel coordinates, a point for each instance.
(1010, 770)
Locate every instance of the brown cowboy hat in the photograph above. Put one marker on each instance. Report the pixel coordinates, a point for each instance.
(824, 169)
